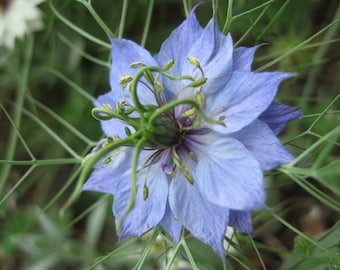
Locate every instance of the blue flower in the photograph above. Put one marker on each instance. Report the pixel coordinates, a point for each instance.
(190, 132)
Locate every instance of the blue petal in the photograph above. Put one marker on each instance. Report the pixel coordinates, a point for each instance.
(147, 213)
(111, 127)
(175, 47)
(124, 53)
(172, 226)
(278, 115)
(206, 221)
(214, 51)
(260, 140)
(243, 99)
(104, 177)
(101, 180)
(227, 174)
(243, 58)
(241, 220)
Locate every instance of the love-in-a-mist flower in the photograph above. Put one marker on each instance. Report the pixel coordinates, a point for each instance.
(189, 133)
(17, 18)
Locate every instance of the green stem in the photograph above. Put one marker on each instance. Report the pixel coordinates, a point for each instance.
(134, 176)
(82, 53)
(52, 201)
(17, 184)
(272, 21)
(146, 251)
(324, 112)
(92, 161)
(20, 97)
(71, 84)
(95, 15)
(319, 54)
(328, 136)
(214, 5)
(41, 162)
(62, 121)
(186, 101)
(52, 133)
(186, 8)
(296, 48)
(252, 26)
(77, 29)
(103, 114)
(139, 107)
(188, 252)
(18, 133)
(292, 228)
(229, 18)
(174, 255)
(147, 23)
(122, 19)
(253, 9)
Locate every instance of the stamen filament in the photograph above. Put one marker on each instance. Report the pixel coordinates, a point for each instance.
(134, 176)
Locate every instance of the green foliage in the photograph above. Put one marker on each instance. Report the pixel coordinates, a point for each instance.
(316, 257)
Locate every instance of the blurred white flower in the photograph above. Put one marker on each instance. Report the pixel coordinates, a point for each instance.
(17, 18)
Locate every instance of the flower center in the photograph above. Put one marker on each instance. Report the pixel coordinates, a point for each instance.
(164, 122)
(161, 124)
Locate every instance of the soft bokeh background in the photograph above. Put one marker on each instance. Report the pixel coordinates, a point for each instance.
(48, 82)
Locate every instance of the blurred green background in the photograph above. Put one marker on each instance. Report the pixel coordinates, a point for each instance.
(47, 85)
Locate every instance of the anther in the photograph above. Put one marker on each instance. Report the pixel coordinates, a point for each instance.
(125, 80)
(107, 106)
(107, 160)
(169, 65)
(199, 82)
(158, 86)
(222, 118)
(115, 137)
(136, 64)
(194, 61)
(189, 113)
(127, 131)
(145, 192)
(200, 98)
